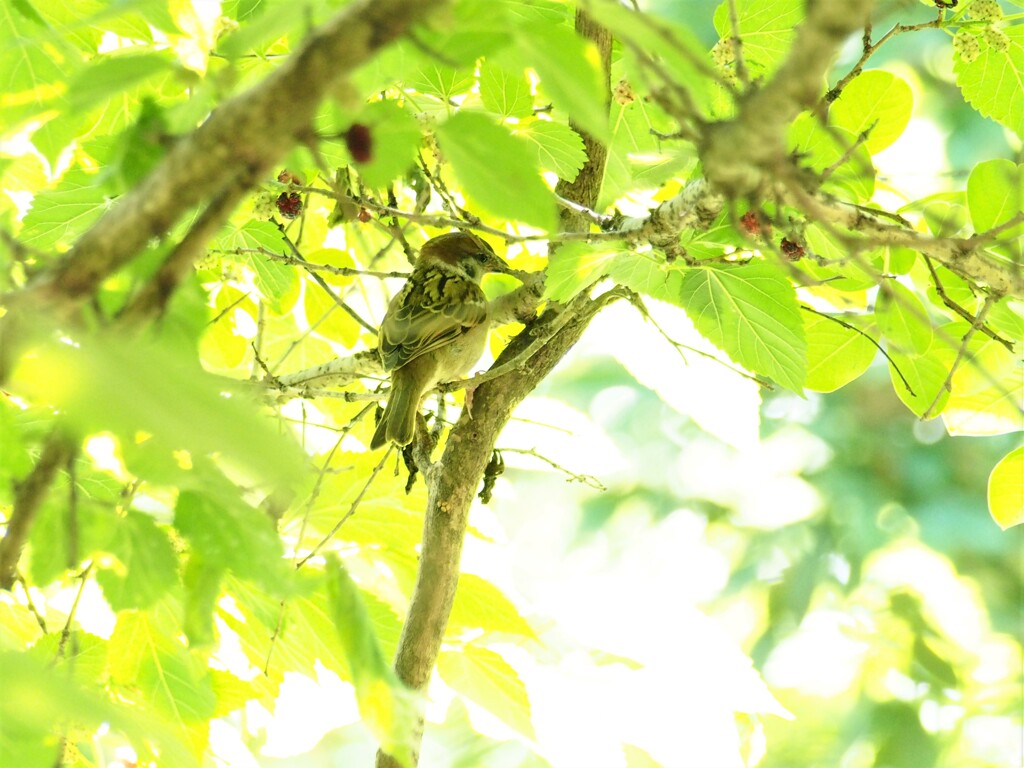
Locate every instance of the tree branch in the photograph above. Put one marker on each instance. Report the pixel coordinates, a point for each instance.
(239, 142)
(453, 486)
(28, 497)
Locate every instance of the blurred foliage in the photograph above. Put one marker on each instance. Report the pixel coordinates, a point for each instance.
(771, 578)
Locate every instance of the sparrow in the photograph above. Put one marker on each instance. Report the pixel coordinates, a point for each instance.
(435, 328)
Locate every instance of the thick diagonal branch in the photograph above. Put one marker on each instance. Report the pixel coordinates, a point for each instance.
(28, 496)
(453, 486)
(238, 143)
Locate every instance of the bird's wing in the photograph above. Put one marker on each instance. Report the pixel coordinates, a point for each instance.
(432, 310)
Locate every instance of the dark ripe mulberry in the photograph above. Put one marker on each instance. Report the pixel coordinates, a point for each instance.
(359, 141)
(752, 224)
(289, 204)
(793, 251)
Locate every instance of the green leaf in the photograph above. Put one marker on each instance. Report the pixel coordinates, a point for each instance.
(647, 275)
(388, 708)
(828, 149)
(750, 312)
(1006, 490)
(766, 29)
(442, 81)
(576, 265)
(992, 82)
(926, 374)
(836, 355)
(570, 72)
(146, 568)
(33, 70)
(988, 389)
(109, 75)
(236, 536)
(877, 102)
(485, 678)
(505, 92)
(497, 169)
(902, 318)
(995, 194)
(479, 604)
(157, 394)
(202, 579)
(150, 666)
(559, 148)
(37, 697)
(396, 139)
(60, 215)
(276, 281)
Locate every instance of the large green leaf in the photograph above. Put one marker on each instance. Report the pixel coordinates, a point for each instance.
(504, 91)
(388, 708)
(576, 265)
(37, 698)
(479, 604)
(60, 215)
(648, 275)
(903, 319)
(570, 72)
(1006, 490)
(877, 102)
(236, 536)
(992, 82)
(276, 281)
(766, 29)
(995, 194)
(147, 392)
(559, 148)
(146, 568)
(836, 355)
(497, 169)
(988, 389)
(33, 70)
(750, 312)
(150, 667)
(483, 677)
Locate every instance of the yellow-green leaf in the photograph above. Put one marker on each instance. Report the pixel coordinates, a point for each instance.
(497, 169)
(877, 102)
(1006, 490)
(836, 355)
(485, 678)
(750, 312)
(481, 605)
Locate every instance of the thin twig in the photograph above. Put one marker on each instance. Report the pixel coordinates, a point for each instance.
(947, 385)
(638, 303)
(351, 510)
(941, 292)
(878, 346)
(590, 480)
(323, 284)
(869, 49)
(66, 632)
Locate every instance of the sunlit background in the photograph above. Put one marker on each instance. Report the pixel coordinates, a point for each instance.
(721, 576)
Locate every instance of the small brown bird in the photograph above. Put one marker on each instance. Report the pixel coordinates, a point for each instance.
(435, 328)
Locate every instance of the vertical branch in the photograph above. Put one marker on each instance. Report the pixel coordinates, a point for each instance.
(584, 189)
(453, 486)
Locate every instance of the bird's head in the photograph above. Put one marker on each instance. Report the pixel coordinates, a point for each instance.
(463, 252)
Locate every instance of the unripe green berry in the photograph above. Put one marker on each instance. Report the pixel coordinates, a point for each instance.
(997, 39)
(985, 10)
(967, 46)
